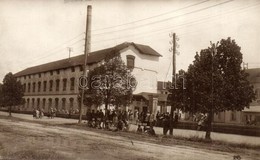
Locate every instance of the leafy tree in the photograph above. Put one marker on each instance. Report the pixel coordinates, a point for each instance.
(12, 92)
(215, 82)
(109, 83)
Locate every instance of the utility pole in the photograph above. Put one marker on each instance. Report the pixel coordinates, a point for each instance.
(87, 51)
(70, 50)
(173, 49)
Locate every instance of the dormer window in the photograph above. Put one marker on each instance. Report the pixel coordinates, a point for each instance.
(130, 61)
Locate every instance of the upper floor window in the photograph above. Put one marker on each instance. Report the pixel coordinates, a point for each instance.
(34, 84)
(64, 84)
(40, 75)
(81, 68)
(72, 69)
(24, 87)
(57, 85)
(58, 71)
(29, 76)
(24, 77)
(72, 83)
(39, 86)
(44, 86)
(51, 72)
(130, 61)
(51, 85)
(29, 87)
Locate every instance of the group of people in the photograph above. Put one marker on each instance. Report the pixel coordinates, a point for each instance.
(38, 113)
(110, 119)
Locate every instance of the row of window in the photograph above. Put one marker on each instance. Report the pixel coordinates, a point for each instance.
(32, 86)
(50, 102)
(51, 72)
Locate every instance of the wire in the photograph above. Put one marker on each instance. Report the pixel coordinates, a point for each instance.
(181, 26)
(152, 16)
(167, 19)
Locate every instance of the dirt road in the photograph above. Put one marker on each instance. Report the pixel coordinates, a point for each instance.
(26, 140)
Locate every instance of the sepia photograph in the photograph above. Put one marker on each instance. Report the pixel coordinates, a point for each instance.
(129, 80)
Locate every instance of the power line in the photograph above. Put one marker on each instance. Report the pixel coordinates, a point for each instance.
(195, 22)
(159, 15)
(167, 19)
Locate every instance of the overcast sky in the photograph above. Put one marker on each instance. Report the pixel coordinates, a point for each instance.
(34, 32)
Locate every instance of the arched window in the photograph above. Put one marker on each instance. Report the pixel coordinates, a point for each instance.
(130, 61)
(50, 103)
(44, 86)
(38, 102)
(64, 84)
(33, 103)
(24, 87)
(39, 86)
(43, 103)
(51, 85)
(71, 103)
(63, 103)
(29, 87)
(72, 83)
(57, 103)
(57, 85)
(34, 84)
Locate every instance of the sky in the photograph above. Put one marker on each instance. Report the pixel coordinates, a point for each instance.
(34, 32)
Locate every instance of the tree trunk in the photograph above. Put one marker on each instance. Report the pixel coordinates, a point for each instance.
(10, 111)
(209, 125)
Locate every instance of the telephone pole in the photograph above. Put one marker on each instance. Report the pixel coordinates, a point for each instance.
(70, 50)
(87, 51)
(173, 50)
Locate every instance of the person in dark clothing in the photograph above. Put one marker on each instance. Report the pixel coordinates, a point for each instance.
(176, 119)
(166, 123)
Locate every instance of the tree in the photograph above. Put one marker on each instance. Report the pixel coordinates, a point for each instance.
(109, 83)
(12, 92)
(215, 82)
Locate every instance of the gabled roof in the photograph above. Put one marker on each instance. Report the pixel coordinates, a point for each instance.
(93, 57)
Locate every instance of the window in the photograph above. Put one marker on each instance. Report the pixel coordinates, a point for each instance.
(81, 68)
(29, 87)
(39, 86)
(57, 103)
(39, 75)
(51, 85)
(72, 84)
(24, 87)
(44, 86)
(64, 84)
(43, 103)
(72, 69)
(58, 71)
(71, 103)
(51, 72)
(50, 103)
(63, 103)
(57, 85)
(24, 77)
(34, 86)
(29, 76)
(130, 61)
(38, 102)
(33, 101)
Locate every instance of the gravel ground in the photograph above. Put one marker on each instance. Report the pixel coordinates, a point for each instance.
(23, 139)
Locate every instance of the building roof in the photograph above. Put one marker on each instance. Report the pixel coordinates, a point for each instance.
(93, 57)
